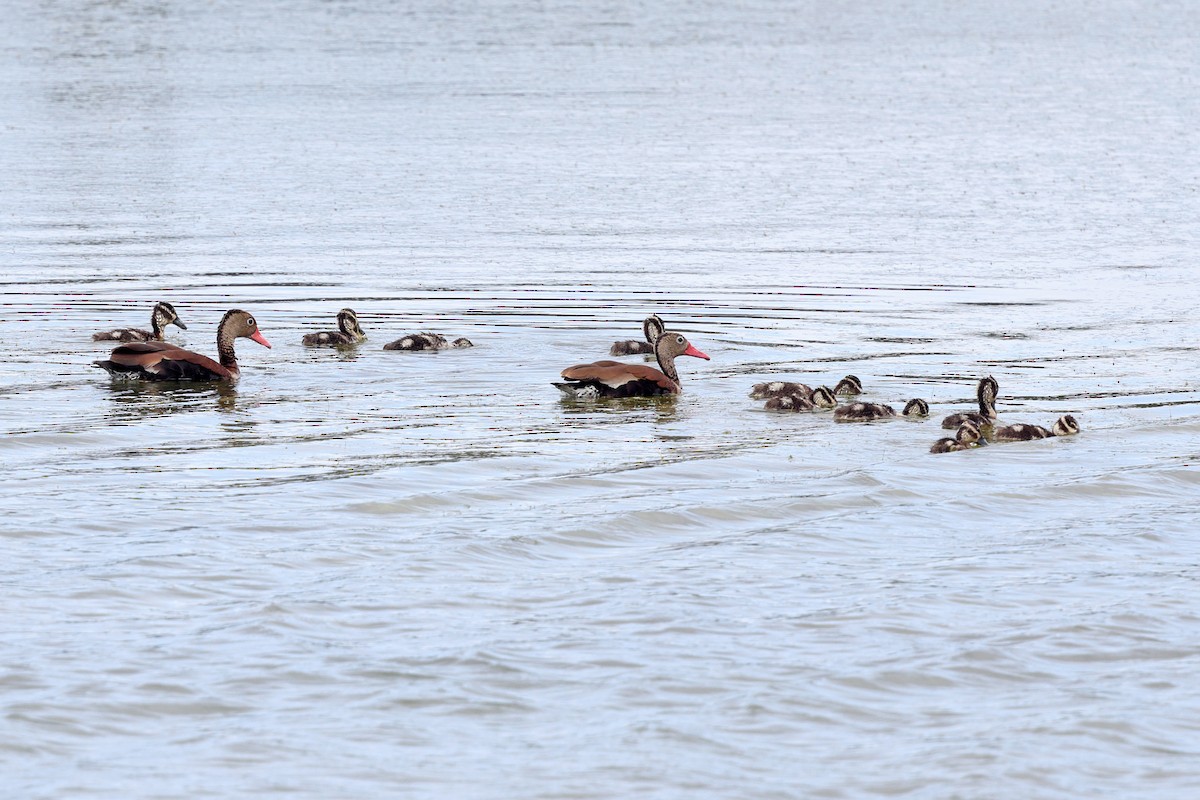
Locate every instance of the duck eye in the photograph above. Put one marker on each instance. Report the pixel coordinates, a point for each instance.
(250, 320)
(680, 340)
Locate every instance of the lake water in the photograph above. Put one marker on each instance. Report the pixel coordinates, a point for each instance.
(382, 574)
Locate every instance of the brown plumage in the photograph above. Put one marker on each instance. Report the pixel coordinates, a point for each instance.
(762, 391)
(162, 316)
(819, 398)
(986, 393)
(348, 332)
(426, 341)
(1063, 426)
(616, 379)
(865, 412)
(968, 436)
(652, 328)
(156, 361)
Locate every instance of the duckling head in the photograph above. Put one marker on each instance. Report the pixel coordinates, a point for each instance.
(165, 313)
(462, 341)
(969, 434)
(1065, 425)
(348, 324)
(822, 397)
(916, 408)
(848, 385)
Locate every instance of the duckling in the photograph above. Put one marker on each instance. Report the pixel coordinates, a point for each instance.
(348, 332)
(1063, 426)
(162, 316)
(968, 436)
(820, 398)
(426, 341)
(916, 408)
(849, 385)
(762, 391)
(652, 328)
(986, 393)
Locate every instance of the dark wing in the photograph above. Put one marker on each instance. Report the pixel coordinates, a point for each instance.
(614, 375)
(166, 362)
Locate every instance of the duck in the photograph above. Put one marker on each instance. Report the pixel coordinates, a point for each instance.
(968, 436)
(849, 385)
(158, 361)
(162, 316)
(617, 379)
(820, 398)
(865, 412)
(348, 332)
(652, 328)
(986, 392)
(1066, 425)
(427, 341)
(763, 391)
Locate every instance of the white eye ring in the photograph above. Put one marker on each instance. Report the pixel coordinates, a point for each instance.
(680, 340)
(250, 321)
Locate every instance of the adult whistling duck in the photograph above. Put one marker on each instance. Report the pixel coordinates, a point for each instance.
(820, 398)
(968, 436)
(615, 379)
(426, 341)
(652, 328)
(156, 361)
(986, 393)
(162, 316)
(1063, 426)
(865, 412)
(348, 332)
(764, 391)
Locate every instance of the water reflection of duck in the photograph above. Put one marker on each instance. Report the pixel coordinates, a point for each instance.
(819, 398)
(616, 379)
(865, 412)
(156, 361)
(986, 393)
(426, 341)
(162, 316)
(348, 332)
(652, 328)
(1063, 426)
(968, 436)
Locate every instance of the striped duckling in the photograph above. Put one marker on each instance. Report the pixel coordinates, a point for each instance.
(968, 436)
(986, 392)
(162, 316)
(652, 328)
(1063, 426)
(426, 341)
(849, 386)
(820, 398)
(348, 332)
(769, 389)
(865, 412)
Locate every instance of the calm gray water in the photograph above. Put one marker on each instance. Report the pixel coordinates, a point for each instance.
(379, 574)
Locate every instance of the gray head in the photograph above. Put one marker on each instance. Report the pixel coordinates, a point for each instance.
(916, 408)
(1065, 425)
(969, 434)
(652, 328)
(348, 324)
(461, 341)
(988, 391)
(164, 314)
(822, 397)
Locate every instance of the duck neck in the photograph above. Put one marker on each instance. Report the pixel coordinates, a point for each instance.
(225, 339)
(666, 361)
(987, 406)
(157, 325)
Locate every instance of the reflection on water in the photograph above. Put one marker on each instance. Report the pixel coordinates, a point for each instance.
(521, 595)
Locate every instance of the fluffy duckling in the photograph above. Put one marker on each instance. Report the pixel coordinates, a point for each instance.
(652, 328)
(763, 391)
(865, 412)
(1063, 426)
(426, 341)
(162, 316)
(348, 332)
(986, 393)
(968, 436)
(849, 385)
(820, 398)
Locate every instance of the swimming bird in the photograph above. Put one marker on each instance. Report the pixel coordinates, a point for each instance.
(652, 328)
(157, 361)
(820, 398)
(865, 412)
(426, 341)
(968, 436)
(617, 379)
(762, 391)
(849, 385)
(1063, 426)
(348, 332)
(986, 393)
(162, 316)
